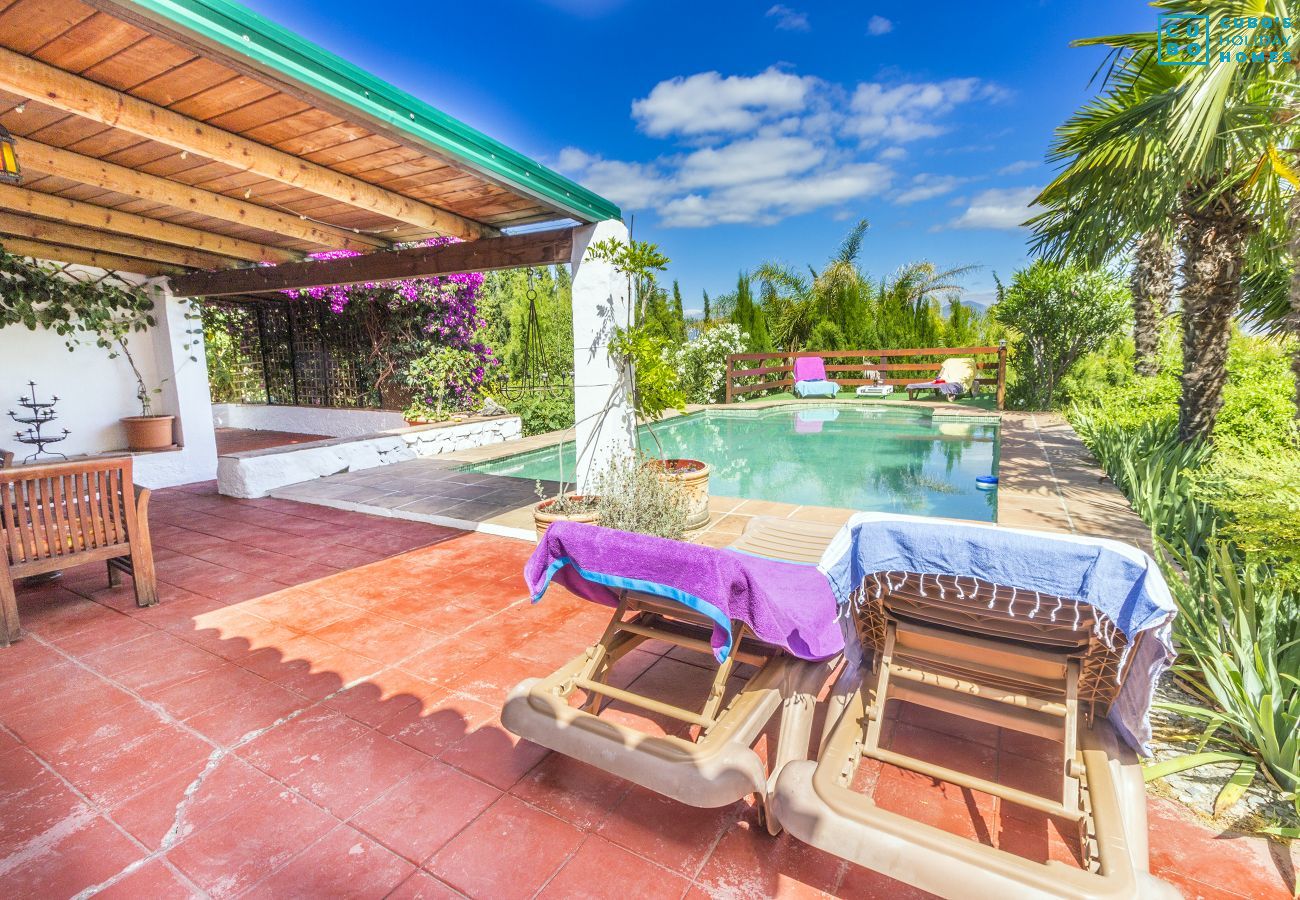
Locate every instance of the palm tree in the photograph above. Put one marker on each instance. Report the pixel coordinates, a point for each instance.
(795, 303)
(1184, 142)
(1152, 285)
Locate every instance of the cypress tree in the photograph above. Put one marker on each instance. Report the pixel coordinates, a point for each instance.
(706, 307)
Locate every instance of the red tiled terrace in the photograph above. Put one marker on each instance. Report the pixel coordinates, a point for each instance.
(311, 710)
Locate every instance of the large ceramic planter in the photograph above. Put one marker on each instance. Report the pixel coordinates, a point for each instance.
(692, 476)
(148, 432)
(543, 517)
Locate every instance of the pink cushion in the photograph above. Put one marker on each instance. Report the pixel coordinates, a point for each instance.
(809, 368)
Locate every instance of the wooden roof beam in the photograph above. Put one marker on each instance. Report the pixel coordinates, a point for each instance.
(75, 236)
(539, 248)
(75, 212)
(108, 176)
(80, 96)
(84, 257)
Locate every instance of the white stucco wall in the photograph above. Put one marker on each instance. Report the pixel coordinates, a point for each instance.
(95, 392)
(306, 419)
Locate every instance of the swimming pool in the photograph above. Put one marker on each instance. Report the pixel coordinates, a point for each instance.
(869, 457)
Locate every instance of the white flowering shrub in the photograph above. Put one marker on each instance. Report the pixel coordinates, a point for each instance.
(701, 363)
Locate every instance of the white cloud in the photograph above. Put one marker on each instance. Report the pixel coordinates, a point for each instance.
(769, 201)
(788, 19)
(878, 25)
(998, 208)
(927, 187)
(747, 161)
(1021, 165)
(709, 104)
(759, 148)
(634, 185)
(908, 111)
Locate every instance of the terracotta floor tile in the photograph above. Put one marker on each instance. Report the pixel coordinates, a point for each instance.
(421, 813)
(666, 832)
(32, 801)
(865, 884)
(943, 806)
(109, 775)
(84, 853)
(433, 731)
(154, 880)
(232, 633)
(153, 662)
(105, 632)
(748, 862)
(243, 848)
(194, 695)
(445, 663)
(344, 778)
(299, 608)
(166, 809)
(344, 863)
(83, 695)
(600, 870)
(978, 759)
(376, 637)
(508, 852)
(574, 791)
(494, 679)
(288, 749)
(423, 886)
(957, 727)
(494, 755)
(384, 695)
(25, 658)
(259, 706)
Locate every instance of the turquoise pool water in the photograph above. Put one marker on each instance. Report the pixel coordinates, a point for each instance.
(870, 457)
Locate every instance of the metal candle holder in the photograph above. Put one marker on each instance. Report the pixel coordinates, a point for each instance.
(38, 416)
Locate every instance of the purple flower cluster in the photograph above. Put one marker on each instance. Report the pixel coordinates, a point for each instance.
(451, 301)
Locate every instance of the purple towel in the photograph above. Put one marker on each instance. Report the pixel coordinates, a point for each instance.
(787, 604)
(809, 368)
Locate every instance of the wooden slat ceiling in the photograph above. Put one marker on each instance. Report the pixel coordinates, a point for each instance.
(79, 39)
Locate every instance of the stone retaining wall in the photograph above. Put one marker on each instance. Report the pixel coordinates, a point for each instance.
(256, 473)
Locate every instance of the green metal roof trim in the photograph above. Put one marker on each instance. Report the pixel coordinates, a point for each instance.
(261, 40)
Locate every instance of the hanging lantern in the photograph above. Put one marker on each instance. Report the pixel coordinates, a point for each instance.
(9, 171)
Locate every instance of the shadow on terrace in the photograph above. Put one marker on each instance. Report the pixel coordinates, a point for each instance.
(313, 704)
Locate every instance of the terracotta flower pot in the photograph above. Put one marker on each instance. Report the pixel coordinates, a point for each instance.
(542, 517)
(692, 476)
(148, 432)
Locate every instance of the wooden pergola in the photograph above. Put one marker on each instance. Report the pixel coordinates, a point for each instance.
(195, 142)
(165, 137)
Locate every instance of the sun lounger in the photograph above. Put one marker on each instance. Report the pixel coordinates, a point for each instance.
(1070, 655)
(708, 760)
(810, 378)
(956, 377)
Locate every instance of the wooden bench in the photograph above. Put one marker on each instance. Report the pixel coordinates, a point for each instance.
(60, 515)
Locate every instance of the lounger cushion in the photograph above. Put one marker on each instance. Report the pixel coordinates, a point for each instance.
(816, 388)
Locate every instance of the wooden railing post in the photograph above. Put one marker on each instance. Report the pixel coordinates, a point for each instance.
(1002, 374)
(731, 364)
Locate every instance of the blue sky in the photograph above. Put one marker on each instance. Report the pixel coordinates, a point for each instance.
(742, 132)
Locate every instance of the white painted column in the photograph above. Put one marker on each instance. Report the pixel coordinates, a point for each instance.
(606, 425)
(181, 361)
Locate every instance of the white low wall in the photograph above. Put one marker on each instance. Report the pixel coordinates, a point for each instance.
(306, 419)
(257, 473)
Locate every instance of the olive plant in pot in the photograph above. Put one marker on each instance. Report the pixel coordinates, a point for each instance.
(647, 354)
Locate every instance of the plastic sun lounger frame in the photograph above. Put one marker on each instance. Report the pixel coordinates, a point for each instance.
(720, 766)
(951, 646)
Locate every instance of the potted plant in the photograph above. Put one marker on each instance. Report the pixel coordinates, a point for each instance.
(565, 507)
(440, 380)
(633, 496)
